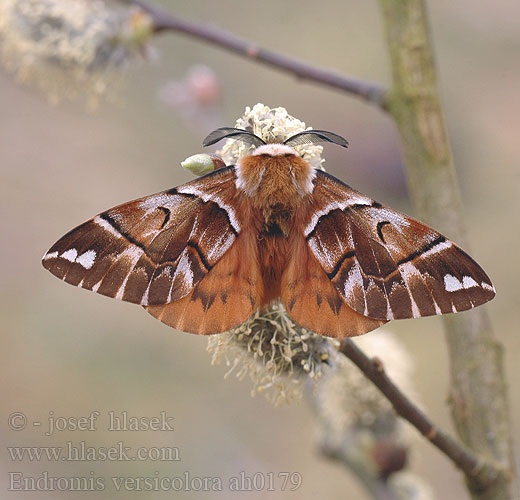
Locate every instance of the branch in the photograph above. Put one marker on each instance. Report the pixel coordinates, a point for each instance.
(478, 388)
(480, 472)
(163, 21)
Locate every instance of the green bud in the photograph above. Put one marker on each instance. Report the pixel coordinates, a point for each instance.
(202, 163)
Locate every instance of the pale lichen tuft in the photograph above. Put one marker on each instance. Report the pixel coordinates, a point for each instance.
(73, 48)
(275, 353)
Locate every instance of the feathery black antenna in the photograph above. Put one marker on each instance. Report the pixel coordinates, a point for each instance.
(236, 133)
(316, 136)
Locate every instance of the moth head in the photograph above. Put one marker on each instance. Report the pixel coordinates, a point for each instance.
(275, 148)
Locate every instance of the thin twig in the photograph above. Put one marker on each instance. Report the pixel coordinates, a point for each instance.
(164, 21)
(478, 470)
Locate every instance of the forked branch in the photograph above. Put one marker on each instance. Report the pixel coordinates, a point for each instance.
(477, 470)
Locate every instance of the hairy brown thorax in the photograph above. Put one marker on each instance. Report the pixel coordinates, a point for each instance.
(277, 180)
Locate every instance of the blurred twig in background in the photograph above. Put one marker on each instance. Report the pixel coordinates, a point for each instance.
(164, 21)
(358, 425)
(477, 471)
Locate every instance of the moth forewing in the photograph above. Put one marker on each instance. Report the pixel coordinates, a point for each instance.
(153, 250)
(385, 264)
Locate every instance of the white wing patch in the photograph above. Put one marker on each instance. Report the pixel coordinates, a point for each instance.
(184, 273)
(87, 259)
(443, 245)
(410, 272)
(106, 226)
(453, 284)
(70, 255)
(468, 282)
(133, 254)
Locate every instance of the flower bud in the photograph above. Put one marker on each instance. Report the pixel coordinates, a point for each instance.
(202, 163)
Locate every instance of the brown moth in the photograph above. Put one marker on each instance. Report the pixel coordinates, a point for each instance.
(204, 256)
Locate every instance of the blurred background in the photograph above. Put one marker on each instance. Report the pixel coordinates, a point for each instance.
(71, 352)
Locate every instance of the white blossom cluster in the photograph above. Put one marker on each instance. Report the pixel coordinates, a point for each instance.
(271, 125)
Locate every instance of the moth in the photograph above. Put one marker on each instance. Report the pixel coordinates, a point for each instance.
(204, 256)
